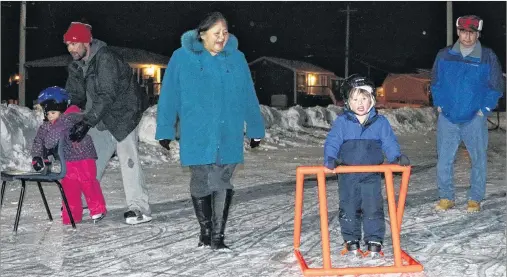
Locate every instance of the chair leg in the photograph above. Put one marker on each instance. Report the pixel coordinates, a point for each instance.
(2, 192)
(66, 204)
(20, 204)
(45, 202)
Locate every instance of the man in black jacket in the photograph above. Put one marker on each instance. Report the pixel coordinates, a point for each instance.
(103, 85)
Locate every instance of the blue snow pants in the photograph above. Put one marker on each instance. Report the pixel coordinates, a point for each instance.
(475, 136)
(361, 201)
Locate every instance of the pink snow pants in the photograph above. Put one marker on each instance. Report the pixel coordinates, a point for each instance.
(81, 177)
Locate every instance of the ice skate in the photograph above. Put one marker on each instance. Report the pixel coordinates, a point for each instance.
(352, 248)
(97, 217)
(374, 250)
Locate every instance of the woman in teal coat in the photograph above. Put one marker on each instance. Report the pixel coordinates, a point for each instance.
(208, 86)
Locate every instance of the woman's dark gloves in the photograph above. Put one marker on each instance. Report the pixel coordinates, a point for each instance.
(165, 143)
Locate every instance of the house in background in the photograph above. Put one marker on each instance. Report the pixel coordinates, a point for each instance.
(146, 66)
(282, 83)
(401, 90)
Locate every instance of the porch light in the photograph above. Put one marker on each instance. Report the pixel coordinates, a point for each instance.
(149, 71)
(14, 79)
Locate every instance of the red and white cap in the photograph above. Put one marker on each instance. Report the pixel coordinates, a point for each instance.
(469, 23)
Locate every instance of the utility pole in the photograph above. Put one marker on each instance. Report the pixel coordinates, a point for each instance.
(348, 10)
(22, 50)
(450, 25)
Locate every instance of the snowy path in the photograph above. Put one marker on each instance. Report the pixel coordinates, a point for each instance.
(260, 225)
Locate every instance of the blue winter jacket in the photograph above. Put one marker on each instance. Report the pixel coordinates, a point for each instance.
(213, 97)
(354, 143)
(462, 86)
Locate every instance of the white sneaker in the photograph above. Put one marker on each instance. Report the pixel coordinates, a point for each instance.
(136, 217)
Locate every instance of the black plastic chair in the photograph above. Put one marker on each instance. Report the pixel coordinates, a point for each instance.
(39, 178)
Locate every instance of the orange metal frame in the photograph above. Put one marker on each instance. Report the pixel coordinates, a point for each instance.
(395, 215)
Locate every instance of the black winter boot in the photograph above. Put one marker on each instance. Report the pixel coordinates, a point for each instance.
(220, 201)
(202, 208)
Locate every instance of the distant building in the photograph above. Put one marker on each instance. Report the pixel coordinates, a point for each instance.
(405, 90)
(401, 90)
(282, 83)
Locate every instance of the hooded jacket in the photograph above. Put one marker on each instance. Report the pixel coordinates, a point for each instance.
(213, 97)
(49, 135)
(354, 143)
(105, 88)
(462, 86)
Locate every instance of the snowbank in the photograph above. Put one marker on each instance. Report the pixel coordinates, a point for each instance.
(18, 128)
(293, 127)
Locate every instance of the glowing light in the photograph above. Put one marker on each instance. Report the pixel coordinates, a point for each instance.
(149, 71)
(312, 79)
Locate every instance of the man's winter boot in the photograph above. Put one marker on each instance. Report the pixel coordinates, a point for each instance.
(444, 205)
(202, 208)
(352, 247)
(473, 206)
(374, 249)
(220, 201)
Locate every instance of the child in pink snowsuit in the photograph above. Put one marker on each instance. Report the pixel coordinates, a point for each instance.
(80, 156)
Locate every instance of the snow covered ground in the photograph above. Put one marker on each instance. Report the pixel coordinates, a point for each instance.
(260, 226)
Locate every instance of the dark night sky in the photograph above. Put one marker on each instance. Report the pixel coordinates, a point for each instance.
(388, 35)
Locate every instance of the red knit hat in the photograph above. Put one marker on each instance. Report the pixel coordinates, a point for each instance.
(78, 32)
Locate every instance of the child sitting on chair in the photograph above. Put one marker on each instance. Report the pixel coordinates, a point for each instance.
(80, 157)
(360, 136)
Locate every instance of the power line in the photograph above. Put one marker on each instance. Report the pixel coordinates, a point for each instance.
(370, 66)
(348, 10)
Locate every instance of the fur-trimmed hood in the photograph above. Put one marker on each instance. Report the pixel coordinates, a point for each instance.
(192, 45)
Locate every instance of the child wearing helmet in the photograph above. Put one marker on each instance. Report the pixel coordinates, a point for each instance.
(360, 136)
(80, 157)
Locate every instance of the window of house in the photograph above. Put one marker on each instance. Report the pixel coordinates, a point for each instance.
(323, 80)
(312, 79)
(301, 83)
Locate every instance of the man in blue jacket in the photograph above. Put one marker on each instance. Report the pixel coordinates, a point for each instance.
(466, 85)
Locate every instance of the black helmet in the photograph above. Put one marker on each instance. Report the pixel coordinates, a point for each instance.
(354, 81)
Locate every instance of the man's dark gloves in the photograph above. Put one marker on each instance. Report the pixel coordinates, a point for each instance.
(403, 160)
(78, 131)
(254, 143)
(165, 143)
(37, 163)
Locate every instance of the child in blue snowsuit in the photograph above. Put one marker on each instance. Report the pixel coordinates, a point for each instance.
(360, 136)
